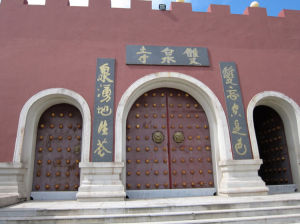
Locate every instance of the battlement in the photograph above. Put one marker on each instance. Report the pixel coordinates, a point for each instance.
(175, 8)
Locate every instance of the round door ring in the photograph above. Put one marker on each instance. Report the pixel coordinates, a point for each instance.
(158, 137)
(178, 137)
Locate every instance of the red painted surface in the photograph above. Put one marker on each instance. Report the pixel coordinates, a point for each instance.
(57, 46)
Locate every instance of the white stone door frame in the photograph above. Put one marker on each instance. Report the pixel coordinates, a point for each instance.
(27, 128)
(289, 112)
(220, 141)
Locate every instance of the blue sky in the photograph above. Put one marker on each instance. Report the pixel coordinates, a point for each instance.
(238, 6)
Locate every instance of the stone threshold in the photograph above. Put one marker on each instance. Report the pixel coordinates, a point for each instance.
(137, 203)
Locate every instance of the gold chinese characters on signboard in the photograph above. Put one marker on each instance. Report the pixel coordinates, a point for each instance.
(236, 117)
(166, 55)
(103, 117)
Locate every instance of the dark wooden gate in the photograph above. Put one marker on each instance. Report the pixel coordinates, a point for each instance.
(272, 146)
(58, 150)
(168, 143)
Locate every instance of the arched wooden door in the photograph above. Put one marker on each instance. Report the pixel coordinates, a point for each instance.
(168, 143)
(58, 150)
(272, 146)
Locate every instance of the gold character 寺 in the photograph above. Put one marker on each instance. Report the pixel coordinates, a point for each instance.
(144, 55)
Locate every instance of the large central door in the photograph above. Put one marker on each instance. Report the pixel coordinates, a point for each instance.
(168, 143)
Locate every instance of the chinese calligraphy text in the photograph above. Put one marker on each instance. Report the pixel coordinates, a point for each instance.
(166, 55)
(103, 123)
(236, 117)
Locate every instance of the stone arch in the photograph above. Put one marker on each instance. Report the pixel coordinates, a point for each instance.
(27, 127)
(220, 141)
(289, 112)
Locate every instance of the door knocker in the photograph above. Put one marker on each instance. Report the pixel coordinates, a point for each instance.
(178, 137)
(158, 137)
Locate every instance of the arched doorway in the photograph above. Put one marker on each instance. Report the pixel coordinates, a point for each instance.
(272, 145)
(57, 152)
(167, 142)
(31, 112)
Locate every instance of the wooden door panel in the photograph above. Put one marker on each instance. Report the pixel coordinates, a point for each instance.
(191, 162)
(58, 150)
(147, 160)
(171, 163)
(272, 145)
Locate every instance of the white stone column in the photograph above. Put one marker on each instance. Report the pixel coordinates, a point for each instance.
(101, 181)
(240, 178)
(12, 188)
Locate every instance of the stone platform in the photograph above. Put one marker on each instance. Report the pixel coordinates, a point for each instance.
(284, 208)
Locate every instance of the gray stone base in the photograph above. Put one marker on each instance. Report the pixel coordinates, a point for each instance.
(281, 189)
(55, 195)
(240, 178)
(143, 194)
(101, 182)
(9, 199)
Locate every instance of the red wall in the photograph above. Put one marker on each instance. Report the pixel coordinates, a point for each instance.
(56, 46)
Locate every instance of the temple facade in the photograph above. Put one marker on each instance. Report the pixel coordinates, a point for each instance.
(101, 103)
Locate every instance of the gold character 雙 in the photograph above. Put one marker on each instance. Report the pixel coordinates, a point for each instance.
(192, 54)
(228, 74)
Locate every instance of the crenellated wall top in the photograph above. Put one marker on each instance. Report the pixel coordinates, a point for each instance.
(176, 7)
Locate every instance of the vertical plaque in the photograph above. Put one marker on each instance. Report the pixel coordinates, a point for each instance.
(103, 124)
(235, 111)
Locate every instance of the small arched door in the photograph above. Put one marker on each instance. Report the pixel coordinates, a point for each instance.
(168, 143)
(58, 150)
(272, 146)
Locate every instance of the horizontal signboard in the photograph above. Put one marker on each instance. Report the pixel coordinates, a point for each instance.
(166, 55)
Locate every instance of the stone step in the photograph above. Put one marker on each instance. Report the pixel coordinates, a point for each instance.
(74, 208)
(214, 216)
(256, 209)
(274, 219)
